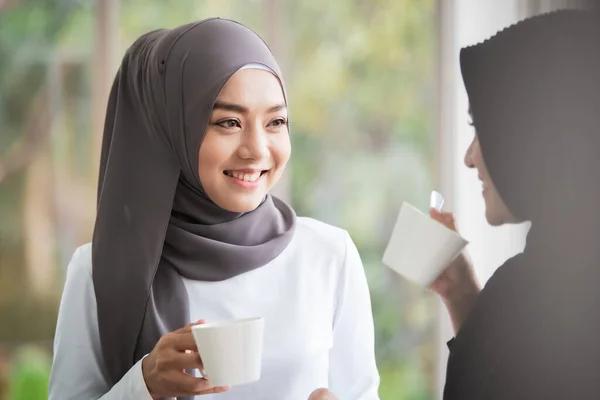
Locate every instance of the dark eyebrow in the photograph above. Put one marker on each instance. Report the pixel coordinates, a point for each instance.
(241, 109)
(230, 107)
(278, 107)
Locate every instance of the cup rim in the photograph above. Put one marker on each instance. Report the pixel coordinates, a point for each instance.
(448, 230)
(227, 323)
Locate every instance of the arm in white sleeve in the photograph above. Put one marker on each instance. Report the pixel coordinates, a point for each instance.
(353, 371)
(77, 367)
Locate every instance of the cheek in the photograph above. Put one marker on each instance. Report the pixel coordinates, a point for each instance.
(204, 171)
(281, 149)
(478, 162)
(212, 156)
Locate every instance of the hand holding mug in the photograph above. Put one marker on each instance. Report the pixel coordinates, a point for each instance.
(164, 368)
(459, 276)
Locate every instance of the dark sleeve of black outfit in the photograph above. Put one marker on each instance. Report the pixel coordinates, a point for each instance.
(526, 342)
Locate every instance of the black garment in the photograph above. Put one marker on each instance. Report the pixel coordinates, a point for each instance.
(533, 334)
(534, 92)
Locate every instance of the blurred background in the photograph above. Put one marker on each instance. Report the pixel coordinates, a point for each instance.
(378, 117)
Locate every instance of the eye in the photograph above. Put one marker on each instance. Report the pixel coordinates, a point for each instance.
(229, 123)
(278, 123)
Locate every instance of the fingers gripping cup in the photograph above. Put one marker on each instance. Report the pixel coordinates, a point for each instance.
(231, 351)
(420, 248)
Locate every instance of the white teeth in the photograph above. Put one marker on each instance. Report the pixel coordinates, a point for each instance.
(244, 177)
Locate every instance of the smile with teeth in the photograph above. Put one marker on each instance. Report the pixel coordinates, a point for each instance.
(246, 177)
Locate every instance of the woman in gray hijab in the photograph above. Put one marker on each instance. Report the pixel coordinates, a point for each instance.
(532, 332)
(196, 134)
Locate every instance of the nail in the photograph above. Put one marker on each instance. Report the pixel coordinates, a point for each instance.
(436, 201)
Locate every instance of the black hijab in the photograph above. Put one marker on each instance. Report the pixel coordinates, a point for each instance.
(155, 224)
(534, 92)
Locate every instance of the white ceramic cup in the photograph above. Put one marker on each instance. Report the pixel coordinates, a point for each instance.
(420, 247)
(231, 351)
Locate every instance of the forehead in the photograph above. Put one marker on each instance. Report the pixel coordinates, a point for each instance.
(253, 86)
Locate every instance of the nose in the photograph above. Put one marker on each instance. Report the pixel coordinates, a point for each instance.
(254, 144)
(469, 156)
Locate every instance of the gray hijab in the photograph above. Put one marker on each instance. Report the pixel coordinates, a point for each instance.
(155, 224)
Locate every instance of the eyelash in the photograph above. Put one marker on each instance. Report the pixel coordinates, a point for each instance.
(282, 121)
(224, 123)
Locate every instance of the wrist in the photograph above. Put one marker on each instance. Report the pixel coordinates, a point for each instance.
(145, 369)
(460, 302)
(462, 292)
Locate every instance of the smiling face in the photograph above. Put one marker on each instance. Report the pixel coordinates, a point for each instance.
(496, 211)
(247, 145)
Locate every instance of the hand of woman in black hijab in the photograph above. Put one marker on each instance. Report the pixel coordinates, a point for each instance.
(164, 368)
(457, 285)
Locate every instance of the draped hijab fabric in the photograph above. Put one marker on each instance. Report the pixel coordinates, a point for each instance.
(534, 93)
(155, 224)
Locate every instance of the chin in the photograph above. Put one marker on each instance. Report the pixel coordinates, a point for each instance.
(242, 205)
(493, 219)
(494, 222)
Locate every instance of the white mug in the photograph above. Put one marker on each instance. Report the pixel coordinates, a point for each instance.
(420, 247)
(231, 351)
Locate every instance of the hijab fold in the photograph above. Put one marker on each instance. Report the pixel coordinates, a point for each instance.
(155, 224)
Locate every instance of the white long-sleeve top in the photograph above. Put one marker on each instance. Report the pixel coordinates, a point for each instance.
(318, 324)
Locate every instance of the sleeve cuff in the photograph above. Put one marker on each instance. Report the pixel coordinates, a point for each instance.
(136, 386)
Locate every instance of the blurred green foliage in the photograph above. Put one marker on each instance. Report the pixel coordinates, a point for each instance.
(30, 374)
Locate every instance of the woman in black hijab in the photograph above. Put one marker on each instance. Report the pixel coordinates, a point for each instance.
(533, 331)
(196, 135)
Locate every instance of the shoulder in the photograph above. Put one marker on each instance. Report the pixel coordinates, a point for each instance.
(321, 233)
(322, 238)
(320, 228)
(80, 265)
